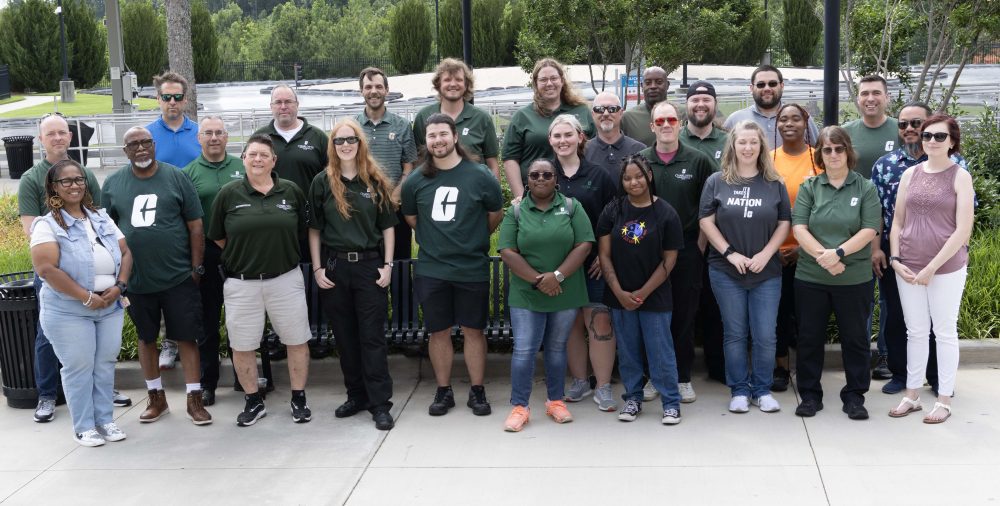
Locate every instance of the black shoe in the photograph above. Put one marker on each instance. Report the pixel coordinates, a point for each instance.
(383, 420)
(477, 401)
(781, 377)
(319, 348)
(808, 408)
(444, 399)
(855, 411)
(252, 411)
(881, 370)
(277, 352)
(208, 397)
(300, 410)
(349, 408)
(893, 386)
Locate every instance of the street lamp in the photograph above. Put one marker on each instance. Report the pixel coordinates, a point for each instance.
(66, 90)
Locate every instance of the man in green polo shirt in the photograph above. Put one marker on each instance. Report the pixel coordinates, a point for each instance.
(700, 131)
(635, 121)
(876, 133)
(453, 81)
(301, 147)
(679, 173)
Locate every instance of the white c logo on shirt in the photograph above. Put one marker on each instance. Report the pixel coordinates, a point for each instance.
(144, 210)
(445, 203)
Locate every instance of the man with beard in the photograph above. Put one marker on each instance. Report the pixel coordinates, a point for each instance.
(454, 83)
(766, 87)
(636, 121)
(454, 205)
(700, 132)
(157, 209)
(175, 135)
(875, 134)
(390, 140)
(610, 145)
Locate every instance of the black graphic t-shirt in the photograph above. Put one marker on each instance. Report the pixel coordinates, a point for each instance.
(639, 236)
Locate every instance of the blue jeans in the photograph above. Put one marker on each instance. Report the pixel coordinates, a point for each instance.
(650, 329)
(745, 312)
(46, 363)
(87, 343)
(531, 330)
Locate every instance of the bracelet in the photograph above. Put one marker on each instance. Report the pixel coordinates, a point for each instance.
(90, 298)
(317, 270)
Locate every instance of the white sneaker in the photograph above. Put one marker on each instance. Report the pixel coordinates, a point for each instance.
(767, 403)
(649, 392)
(739, 404)
(168, 354)
(687, 392)
(111, 432)
(89, 438)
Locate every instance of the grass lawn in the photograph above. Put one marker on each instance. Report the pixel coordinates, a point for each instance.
(85, 105)
(11, 100)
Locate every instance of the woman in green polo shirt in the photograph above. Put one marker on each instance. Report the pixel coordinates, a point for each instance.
(835, 217)
(544, 242)
(351, 242)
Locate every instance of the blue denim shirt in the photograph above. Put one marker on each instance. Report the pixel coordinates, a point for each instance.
(76, 254)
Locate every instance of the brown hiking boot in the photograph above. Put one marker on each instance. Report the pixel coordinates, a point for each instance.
(156, 407)
(196, 409)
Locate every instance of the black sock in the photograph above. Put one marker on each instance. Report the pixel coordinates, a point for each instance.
(298, 394)
(254, 398)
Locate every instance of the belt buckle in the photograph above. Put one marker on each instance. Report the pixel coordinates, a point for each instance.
(352, 256)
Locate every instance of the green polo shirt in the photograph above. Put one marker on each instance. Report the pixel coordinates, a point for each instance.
(261, 230)
(302, 157)
(712, 145)
(209, 177)
(872, 143)
(527, 136)
(680, 183)
(635, 124)
(390, 142)
(544, 238)
(475, 128)
(363, 229)
(31, 189)
(833, 216)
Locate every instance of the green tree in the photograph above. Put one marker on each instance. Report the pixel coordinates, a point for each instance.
(489, 37)
(205, 43)
(144, 36)
(802, 29)
(88, 44)
(555, 29)
(30, 45)
(513, 18)
(289, 39)
(410, 36)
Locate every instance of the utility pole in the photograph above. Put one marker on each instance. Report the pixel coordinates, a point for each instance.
(467, 33)
(120, 103)
(831, 62)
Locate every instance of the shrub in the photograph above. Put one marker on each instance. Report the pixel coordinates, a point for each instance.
(205, 43)
(979, 315)
(410, 36)
(88, 41)
(801, 31)
(981, 147)
(29, 44)
(144, 37)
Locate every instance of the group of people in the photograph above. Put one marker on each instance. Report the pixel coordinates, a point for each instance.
(627, 231)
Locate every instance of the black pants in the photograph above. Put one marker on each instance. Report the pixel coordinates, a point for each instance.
(357, 308)
(211, 313)
(710, 323)
(787, 329)
(894, 328)
(403, 249)
(685, 281)
(850, 304)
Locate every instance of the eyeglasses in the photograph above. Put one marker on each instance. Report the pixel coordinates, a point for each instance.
(834, 149)
(70, 181)
(671, 119)
(546, 80)
(215, 133)
(341, 140)
(176, 97)
(263, 155)
(937, 136)
(144, 143)
(915, 123)
(280, 103)
(610, 109)
(547, 175)
(55, 113)
(770, 84)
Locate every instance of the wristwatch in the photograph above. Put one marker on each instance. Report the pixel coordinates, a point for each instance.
(122, 286)
(891, 259)
(729, 251)
(559, 276)
(199, 270)
(840, 252)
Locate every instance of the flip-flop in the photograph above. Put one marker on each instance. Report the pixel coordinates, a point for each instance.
(936, 406)
(911, 406)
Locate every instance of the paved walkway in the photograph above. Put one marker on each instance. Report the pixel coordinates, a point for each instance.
(713, 457)
(29, 101)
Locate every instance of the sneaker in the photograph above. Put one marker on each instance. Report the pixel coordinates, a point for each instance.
(89, 438)
(780, 379)
(687, 392)
(120, 400)
(855, 411)
(630, 411)
(649, 391)
(168, 354)
(517, 419)
(557, 410)
(156, 407)
(111, 432)
(605, 399)
(893, 386)
(252, 411)
(383, 420)
(739, 404)
(300, 410)
(578, 390)
(881, 371)
(671, 417)
(444, 399)
(45, 411)
(808, 408)
(766, 403)
(196, 411)
(477, 401)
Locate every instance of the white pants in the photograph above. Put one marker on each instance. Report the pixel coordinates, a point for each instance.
(283, 299)
(923, 307)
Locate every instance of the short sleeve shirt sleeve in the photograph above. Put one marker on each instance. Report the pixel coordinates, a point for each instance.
(492, 194)
(582, 231)
(709, 204)
(871, 210)
(803, 204)
(216, 228)
(316, 197)
(513, 139)
(409, 147)
(508, 230)
(784, 205)
(192, 206)
(672, 233)
(606, 221)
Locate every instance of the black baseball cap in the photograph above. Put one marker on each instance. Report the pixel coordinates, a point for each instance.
(701, 88)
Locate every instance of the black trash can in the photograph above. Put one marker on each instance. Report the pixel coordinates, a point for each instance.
(18, 324)
(19, 155)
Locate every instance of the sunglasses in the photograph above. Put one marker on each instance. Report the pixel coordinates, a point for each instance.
(534, 176)
(915, 123)
(610, 109)
(835, 149)
(661, 121)
(144, 143)
(176, 97)
(770, 84)
(70, 181)
(938, 136)
(341, 140)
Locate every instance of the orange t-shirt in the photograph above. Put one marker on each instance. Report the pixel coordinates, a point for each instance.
(794, 169)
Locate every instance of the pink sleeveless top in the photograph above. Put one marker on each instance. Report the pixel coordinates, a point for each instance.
(930, 220)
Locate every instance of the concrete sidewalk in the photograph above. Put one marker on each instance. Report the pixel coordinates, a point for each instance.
(713, 457)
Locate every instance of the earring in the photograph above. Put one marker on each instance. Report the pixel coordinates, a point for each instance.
(557, 186)
(55, 202)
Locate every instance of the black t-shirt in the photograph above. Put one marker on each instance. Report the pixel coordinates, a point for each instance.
(592, 188)
(639, 236)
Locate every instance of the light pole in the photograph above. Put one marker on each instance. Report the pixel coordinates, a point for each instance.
(66, 91)
(437, 31)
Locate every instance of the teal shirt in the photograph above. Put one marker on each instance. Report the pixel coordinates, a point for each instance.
(872, 143)
(476, 132)
(527, 136)
(209, 177)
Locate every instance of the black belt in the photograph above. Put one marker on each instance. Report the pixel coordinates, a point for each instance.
(247, 277)
(355, 256)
